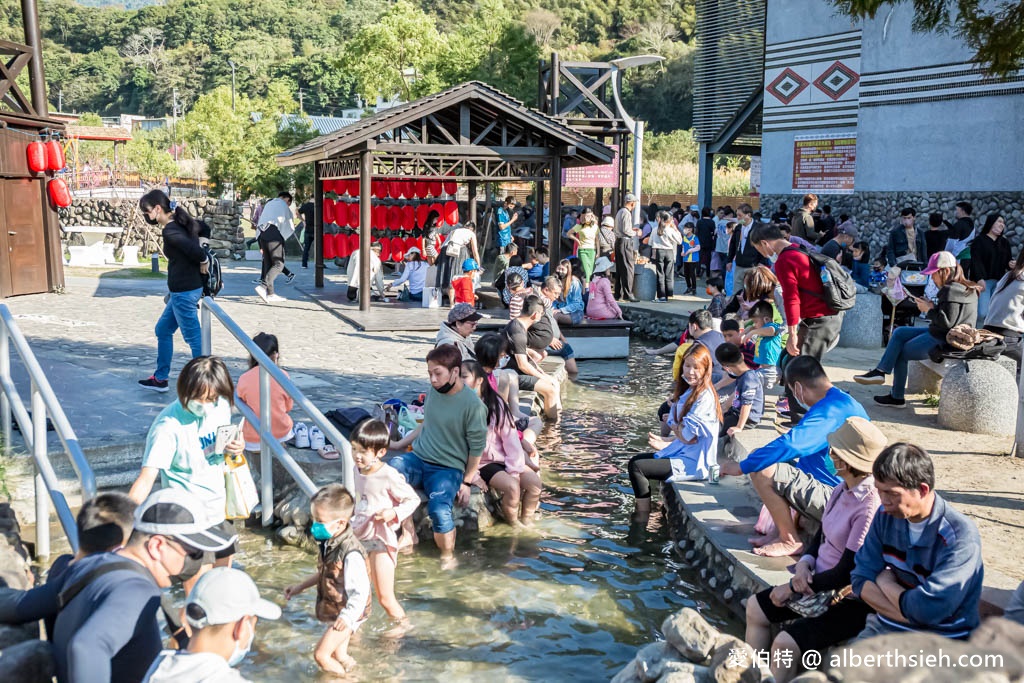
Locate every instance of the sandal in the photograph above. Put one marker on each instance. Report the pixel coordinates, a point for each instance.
(328, 452)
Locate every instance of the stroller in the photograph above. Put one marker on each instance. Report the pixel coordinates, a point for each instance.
(904, 313)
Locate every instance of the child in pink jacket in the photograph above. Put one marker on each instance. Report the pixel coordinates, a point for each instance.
(602, 304)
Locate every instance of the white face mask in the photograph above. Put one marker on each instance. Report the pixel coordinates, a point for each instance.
(773, 258)
(200, 408)
(240, 652)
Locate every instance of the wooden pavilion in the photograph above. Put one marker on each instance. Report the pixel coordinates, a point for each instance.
(30, 248)
(470, 133)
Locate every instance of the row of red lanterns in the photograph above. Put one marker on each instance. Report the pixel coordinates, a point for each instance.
(394, 188)
(404, 217)
(392, 248)
(49, 156)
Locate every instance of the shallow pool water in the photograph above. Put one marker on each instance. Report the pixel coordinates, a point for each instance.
(572, 601)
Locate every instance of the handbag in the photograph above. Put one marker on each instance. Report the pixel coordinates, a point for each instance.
(809, 606)
(241, 496)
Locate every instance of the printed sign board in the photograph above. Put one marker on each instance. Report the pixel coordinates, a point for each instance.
(824, 163)
(605, 175)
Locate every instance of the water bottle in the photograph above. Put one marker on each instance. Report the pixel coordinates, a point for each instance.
(825, 277)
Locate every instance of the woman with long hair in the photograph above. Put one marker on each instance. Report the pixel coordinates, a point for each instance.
(1006, 308)
(569, 307)
(957, 305)
(460, 245)
(414, 274)
(431, 237)
(990, 259)
(505, 465)
(585, 234)
(665, 241)
(694, 419)
(187, 269)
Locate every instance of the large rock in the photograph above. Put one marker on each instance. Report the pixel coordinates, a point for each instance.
(651, 659)
(684, 672)
(862, 324)
(976, 397)
(734, 661)
(922, 378)
(689, 633)
(28, 662)
(645, 282)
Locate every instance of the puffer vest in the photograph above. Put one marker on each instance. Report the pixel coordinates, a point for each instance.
(331, 597)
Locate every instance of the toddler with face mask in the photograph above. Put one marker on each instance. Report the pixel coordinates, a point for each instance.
(342, 579)
(181, 445)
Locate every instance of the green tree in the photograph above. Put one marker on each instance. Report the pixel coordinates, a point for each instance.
(994, 30)
(143, 155)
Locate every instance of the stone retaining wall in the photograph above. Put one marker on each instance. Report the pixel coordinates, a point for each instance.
(655, 324)
(876, 213)
(223, 217)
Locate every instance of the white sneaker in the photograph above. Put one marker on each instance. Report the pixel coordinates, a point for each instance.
(301, 435)
(262, 292)
(274, 298)
(316, 438)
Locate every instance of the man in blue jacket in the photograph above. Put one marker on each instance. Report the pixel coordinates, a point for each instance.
(794, 472)
(920, 566)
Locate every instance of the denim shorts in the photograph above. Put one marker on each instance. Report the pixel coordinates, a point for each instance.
(441, 484)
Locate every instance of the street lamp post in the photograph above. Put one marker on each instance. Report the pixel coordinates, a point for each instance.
(231, 63)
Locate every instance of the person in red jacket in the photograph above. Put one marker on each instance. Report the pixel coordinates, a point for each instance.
(813, 326)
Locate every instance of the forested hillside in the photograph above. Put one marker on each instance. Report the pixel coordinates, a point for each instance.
(112, 60)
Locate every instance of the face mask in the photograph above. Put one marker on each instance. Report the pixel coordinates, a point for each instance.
(192, 566)
(240, 652)
(800, 403)
(199, 408)
(732, 375)
(773, 258)
(446, 387)
(709, 291)
(319, 531)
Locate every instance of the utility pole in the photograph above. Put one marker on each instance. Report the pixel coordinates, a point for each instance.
(301, 110)
(60, 99)
(174, 121)
(231, 63)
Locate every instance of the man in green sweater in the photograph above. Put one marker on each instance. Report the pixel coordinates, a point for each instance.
(446, 449)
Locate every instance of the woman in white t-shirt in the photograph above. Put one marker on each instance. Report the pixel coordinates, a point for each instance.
(182, 443)
(460, 245)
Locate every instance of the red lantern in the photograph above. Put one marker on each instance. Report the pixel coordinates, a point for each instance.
(59, 193)
(450, 187)
(397, 249)
(341, 246)
(451, 213)
(421, 215)
(329, 247)
(377, 216)
(420, 189)
(352, 187)
(354, 214)
(328, 211)
(353, 243)
(408, 217)
(36, 156)
(54, 156)
(375, 189)
(395, 217)
(385, 249)
(328, 186)
(437, 206)
(436, 188)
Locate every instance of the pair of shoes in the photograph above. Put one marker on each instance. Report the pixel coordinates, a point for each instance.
(290, 277)
(328, 452)
(261, 290)
(316, 438)
(888, 400)
(274, 298)
(875, 376)
(158, 385)
(301, 431)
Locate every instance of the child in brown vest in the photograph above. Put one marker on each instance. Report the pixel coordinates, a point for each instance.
(342, 580)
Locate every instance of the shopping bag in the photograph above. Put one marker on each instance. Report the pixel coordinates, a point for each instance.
(431, 297)
(240, 489)
(730, 278)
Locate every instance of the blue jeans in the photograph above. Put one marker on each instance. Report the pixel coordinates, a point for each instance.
(441, 484)
(983, 301)
(180, 312)
(905, 344)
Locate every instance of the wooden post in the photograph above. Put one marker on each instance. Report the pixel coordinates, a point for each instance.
(538, 217)
(471, 186)
(37, 82)
(556, 77)
(318, 226)
(555, 216)
(617, 140)
(365, 219)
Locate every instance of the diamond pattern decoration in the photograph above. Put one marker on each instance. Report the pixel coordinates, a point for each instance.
(787, 85)
(836, 80)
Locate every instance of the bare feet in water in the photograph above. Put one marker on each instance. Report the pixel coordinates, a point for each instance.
(780, 549)
(448, 563)
(398, 628)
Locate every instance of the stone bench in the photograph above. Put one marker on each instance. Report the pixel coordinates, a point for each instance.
(862, 324)
(972, 394)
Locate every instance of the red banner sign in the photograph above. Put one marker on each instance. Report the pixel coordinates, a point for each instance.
(606, 175)
(824, 163)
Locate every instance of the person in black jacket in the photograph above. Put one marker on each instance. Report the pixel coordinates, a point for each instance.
(957, 304)
(990, 259)
(706, 237)
(187, 267)
(742, 254)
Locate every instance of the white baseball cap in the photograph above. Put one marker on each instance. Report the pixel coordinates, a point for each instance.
(181, 516)
(223, 596)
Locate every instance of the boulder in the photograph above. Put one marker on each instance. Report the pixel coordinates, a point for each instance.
(28, 662)
(734, 661)
(645, 282)
(689, 633)
(684, 672)
(922, 379)
(651, 659)
(974, 399)
(862, 324)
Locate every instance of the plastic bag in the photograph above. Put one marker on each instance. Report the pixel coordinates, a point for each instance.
(240, 489)
(431, 297)
(407, 422)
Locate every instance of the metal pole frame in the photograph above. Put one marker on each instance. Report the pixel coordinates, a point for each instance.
(42, 492)
(365, 221)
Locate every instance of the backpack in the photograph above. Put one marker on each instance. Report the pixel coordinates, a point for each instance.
(840, 291)
(213, 281)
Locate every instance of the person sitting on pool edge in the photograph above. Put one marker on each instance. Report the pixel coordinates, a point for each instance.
(794, 472)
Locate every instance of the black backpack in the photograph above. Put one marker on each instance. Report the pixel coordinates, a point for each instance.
(213, 281)
(840, 291)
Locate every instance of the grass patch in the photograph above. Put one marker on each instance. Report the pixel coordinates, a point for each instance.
(143, 272)
(931, 400)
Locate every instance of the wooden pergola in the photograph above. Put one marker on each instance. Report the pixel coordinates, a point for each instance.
(470, 133)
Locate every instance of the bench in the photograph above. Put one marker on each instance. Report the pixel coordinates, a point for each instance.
(972, 394)
(95, 251)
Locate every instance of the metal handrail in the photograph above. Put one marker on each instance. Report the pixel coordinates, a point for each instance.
(269, 445)
(33, 429)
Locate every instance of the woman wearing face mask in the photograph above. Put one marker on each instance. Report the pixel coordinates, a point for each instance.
(990, 259)
(695, 419)
(187, 267)
(570, 307)
(181, 444)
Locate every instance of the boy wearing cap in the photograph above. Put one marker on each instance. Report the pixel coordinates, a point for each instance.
(464, 286)
(107, 628)
(222, 610)
(828, 562)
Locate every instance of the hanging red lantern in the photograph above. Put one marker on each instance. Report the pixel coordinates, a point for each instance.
(420, 189)
(329, 248)
(436, 188)
(395, 217)
(352, 187)
(408, 217)
(385, 249)
(353, 243)
(450, 187)
(439, 208)
(421, 215)
(354, 214)
(397, 249)
(36, 156)
(59, 193)
(340, 246)
(451, 213)
(328, 211)
(328, 186)
(54, 155)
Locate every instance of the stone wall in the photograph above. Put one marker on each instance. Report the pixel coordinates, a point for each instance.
(223, 217)
(655, 324)
(876, 213)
